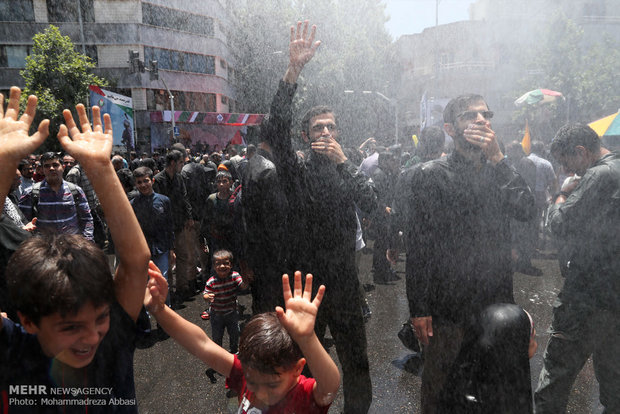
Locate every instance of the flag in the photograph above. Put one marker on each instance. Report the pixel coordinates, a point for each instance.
(526, 142)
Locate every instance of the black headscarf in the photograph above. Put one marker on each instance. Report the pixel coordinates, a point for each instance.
(492, 371)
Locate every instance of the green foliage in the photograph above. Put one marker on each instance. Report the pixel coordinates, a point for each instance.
(582, 67)
(59, 77)
(352, 56)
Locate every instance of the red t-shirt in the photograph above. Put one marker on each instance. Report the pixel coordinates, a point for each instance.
(299, 399)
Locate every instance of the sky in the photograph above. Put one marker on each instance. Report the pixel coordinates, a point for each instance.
(413, 16)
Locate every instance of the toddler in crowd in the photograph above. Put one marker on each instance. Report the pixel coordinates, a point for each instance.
(274, 348)
(221, 293)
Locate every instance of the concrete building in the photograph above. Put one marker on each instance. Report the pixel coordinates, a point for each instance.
(480, 55)
(187, 38)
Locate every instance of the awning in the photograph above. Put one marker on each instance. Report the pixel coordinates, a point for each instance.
(209, 118)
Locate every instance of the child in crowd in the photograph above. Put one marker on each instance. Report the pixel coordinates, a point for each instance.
(221, 292)
(77, 322)
(267, 372)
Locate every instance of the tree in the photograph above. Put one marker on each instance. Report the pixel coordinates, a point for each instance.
(582, 67)
(59, 77)
(352, 56)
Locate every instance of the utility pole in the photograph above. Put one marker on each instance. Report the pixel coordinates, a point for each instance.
(171, 108)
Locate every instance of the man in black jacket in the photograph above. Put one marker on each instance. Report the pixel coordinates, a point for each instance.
(170, 183)
(455, 214)
(264, 211)
(323, 189)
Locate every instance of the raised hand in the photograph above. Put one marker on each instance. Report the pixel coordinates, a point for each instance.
(15, 144)
(156, 290)
(91, 145)
(301, 50)
(302, 47)
(301, 311)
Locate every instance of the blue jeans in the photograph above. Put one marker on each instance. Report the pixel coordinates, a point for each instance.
(161, 261)
(228, 321)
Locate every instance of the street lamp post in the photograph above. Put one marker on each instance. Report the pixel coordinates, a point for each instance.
(391, 101)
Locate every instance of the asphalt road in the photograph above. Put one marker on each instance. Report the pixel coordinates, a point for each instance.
(169, 380)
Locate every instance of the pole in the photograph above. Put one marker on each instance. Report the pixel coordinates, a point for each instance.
(81, 22)
(171, 105)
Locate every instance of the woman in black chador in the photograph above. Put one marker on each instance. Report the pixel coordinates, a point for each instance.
(492, 372)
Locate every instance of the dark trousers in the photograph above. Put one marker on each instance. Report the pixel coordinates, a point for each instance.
(577, 333)
(439, 355)
(228, 321)
(342, 312)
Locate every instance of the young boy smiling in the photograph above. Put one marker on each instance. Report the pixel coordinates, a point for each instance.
(77, 322)
(273, 350)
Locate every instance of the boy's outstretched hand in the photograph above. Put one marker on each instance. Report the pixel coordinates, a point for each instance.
(15, 144)
(300, 310)
(92, 144)
(156, 290)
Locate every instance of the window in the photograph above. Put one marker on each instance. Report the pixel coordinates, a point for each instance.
(177, 20)
(181, 61)
(16, 11)
(13, 56)
(67, 11)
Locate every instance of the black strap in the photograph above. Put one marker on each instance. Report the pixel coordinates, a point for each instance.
(36, 190)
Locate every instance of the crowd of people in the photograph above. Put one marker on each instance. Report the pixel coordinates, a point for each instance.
(219, 224)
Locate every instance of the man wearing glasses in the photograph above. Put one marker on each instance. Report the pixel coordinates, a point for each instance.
(323, 188)
(457, 237)
(59, 206)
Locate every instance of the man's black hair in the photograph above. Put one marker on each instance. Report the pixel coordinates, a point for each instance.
(312, 112)
(23, 163)
(174, 155)
(458, 105)
(125, 176)
(572, 135)
(47, 156)
(538, 148)
(432, 141)
(148, 162)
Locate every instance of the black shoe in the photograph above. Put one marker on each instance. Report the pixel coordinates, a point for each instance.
(211, 374)
(231, 394)
(366, 312)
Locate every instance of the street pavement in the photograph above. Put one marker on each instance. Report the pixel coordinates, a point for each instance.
(169, 380)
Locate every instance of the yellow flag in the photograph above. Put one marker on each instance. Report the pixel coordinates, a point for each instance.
(415, 139)
(526, 142)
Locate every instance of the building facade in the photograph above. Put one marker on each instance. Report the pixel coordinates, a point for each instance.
(480, 55)
(188, 39)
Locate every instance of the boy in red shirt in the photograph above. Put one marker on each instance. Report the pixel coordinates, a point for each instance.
(267, 372)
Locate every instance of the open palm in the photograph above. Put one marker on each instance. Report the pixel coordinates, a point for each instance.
(302, 47)
(15, 143)
(91, 144)
(300, 312)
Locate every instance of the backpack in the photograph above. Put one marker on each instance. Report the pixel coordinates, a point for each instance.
(36, 190)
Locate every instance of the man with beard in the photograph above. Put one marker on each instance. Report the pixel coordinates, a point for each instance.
(323, 189)
(457, 237)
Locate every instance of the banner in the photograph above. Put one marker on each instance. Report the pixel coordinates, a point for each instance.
(120, 109)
